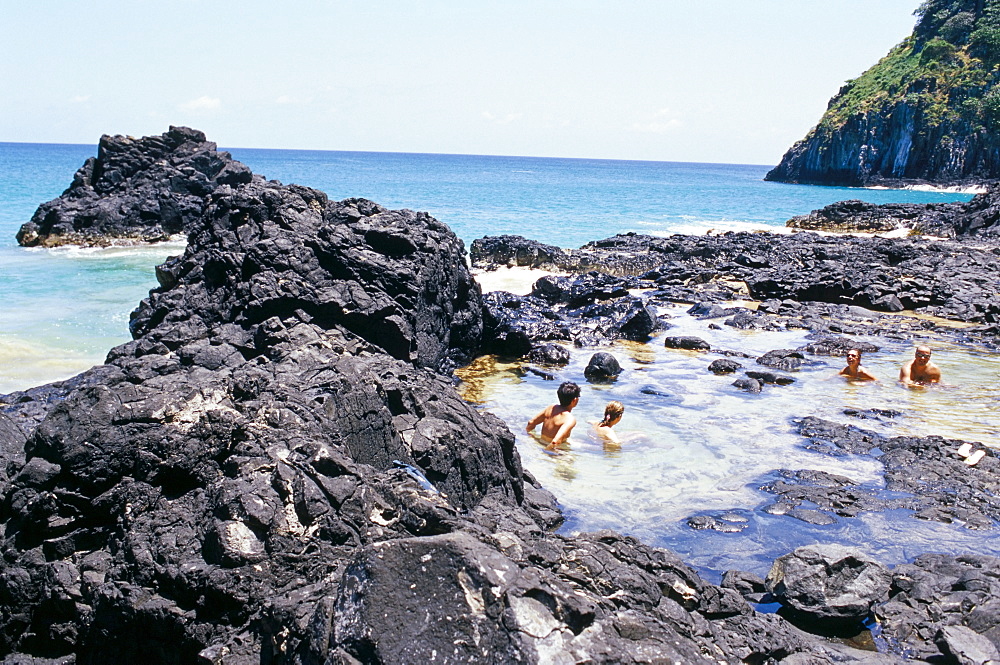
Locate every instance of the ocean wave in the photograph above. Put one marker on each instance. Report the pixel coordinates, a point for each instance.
(695, 226)
(951, 189)
(175, 245)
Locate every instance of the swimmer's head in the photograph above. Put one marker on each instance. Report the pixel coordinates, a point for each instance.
(612, 412)
(568, 392)
(853, 354)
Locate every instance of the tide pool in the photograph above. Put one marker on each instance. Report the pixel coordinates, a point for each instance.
(695, 445)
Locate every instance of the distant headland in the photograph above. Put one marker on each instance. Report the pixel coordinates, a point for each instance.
(927, 113)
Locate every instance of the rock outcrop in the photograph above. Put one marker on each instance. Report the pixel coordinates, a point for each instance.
(927, 112)
(135, 190)
(949, 279)
(977, 219)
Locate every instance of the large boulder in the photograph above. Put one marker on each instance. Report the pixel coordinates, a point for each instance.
(137, 190)
(827, 582)
(285, 391)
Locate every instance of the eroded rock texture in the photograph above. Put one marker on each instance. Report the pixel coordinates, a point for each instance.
(278, 469)
(954, 279)
(135, 190)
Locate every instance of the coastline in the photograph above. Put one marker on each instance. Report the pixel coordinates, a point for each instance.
(284, 435)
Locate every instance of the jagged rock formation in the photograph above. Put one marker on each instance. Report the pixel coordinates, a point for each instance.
(977, 218)
(951, 279)
(927, 112)
(278, 469)
(135, 190)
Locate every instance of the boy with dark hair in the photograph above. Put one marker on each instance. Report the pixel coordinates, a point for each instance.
(557, 422)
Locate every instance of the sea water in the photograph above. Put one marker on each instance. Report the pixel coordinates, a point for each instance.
(704, 446)
(693, 444)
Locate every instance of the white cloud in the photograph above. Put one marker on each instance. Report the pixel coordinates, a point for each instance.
(202, 104)
(80, 99)
(503, 119)
(660, 122)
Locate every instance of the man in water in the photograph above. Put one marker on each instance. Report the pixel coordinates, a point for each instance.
(920, 371)
(854, 370)
(556, 420)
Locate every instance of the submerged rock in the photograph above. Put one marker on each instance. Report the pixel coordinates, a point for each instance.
(724, 366)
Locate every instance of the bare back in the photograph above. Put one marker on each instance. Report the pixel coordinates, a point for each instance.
(557, 422)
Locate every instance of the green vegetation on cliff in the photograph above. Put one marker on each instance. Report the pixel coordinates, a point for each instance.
(929, 110)
(947, 69)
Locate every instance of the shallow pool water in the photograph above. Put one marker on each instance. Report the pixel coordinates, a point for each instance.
(693, 444)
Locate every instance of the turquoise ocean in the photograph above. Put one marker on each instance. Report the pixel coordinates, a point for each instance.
(62, 309)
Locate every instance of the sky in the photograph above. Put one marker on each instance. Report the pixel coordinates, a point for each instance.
(725, 81)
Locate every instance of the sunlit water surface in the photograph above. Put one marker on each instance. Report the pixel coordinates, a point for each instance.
(694, 444)
(60, 311)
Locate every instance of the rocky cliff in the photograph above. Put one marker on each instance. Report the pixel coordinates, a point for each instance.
(927, 112)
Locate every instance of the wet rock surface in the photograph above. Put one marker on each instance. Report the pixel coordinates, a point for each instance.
(591, 309)
(976, 218)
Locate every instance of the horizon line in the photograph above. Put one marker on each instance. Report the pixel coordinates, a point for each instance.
(408, 152)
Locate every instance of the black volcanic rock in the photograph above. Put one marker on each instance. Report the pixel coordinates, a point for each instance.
(724, 366)
(135, 190)
(602, 367)
(829, 581)
(549, 354)
(588, 310)
(278, 469)
(686, 342)
(855, 216)
(952, 279)
(258, 415)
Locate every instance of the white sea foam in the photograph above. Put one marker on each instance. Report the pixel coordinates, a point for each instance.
(175, 245)
(693, 226)
(951, 189)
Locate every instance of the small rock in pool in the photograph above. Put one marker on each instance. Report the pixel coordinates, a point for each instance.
(688, 343)
(777, 508)
(602, 367)
(749, 385)
(724, 366)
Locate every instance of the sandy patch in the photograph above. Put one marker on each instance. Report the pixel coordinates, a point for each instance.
(515, 280)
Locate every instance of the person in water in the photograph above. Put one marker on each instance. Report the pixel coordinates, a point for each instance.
(920, 371)
(612, 416)
(854, 370)
(557, 421)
